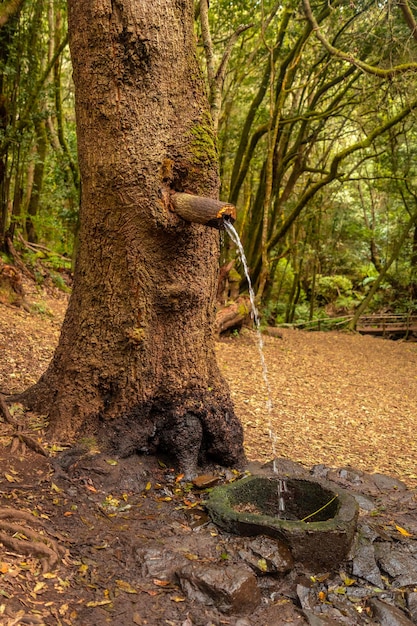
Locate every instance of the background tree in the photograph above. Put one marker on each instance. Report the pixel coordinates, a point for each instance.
(315, 115)
(34, 150)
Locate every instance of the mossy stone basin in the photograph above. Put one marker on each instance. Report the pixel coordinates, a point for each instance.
(318, 524)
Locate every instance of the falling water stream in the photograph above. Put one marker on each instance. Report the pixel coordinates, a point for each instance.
(282, 485)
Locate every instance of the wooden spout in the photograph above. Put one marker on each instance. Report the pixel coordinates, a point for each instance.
(202, 210)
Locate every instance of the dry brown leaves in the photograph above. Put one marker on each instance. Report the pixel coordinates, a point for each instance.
(338, 399)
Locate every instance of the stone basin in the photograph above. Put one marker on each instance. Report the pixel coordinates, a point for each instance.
(318, 523)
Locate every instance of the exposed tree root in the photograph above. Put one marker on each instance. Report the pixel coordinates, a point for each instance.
(20, 440)
(24, 540)
(4, 409)
(32, 444)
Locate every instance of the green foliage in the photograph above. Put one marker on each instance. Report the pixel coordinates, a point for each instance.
(339, 200)
(42, 309)
(329, 288)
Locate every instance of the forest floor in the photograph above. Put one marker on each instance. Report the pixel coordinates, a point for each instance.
(338, 399)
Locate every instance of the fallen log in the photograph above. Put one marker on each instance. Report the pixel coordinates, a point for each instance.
(233, 315)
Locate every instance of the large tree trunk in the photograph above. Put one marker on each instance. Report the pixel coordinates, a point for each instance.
(135, 364)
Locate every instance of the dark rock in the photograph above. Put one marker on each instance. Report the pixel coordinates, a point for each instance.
(388, 615)
(231, 588)
(285, 468)
(345, 475)
(366, 504)
(411, 598)
(397, 561)
(307, 596)
(160, 563)
(386, 483)
(364, 565)
(267, 556)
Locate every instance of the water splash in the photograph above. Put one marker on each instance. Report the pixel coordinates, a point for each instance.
(282, 485)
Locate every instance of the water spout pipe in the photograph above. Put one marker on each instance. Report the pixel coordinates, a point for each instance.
(201, 210)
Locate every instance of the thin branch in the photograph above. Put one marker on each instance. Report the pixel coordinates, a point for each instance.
(408, 16)
(207, 41)
(333, 172)
(369, 69)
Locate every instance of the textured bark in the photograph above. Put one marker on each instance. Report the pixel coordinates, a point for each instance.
(135, 364)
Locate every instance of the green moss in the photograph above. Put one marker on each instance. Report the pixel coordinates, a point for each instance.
(203, 143)
(243, 309)
(234, 276)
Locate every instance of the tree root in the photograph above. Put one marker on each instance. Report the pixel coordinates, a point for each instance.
(28, 541)
(19, 439)
(4, 409)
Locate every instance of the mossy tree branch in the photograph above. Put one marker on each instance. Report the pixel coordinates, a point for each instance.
(350, 58)
(334, 167)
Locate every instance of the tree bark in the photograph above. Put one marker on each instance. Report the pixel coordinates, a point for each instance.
(135, 365)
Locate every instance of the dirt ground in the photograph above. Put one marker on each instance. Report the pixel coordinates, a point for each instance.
(82, 534)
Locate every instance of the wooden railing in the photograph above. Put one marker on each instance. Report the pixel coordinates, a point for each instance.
(381, 325)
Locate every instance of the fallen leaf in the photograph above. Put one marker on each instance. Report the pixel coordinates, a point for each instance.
(98, 603)
(403, 531)
(10, 478)
(125, 586)
(262, 565)
(161, 583)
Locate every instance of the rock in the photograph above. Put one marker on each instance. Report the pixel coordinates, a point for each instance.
(411, 598)
(346, 475)
(366, 504)
(364, 565)
(320, 471)
(231, 588)
(306, 596)
(388, 615)
(286, 467)
(160, 563)
(267, 556)
(386, 483)
(397, 561)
